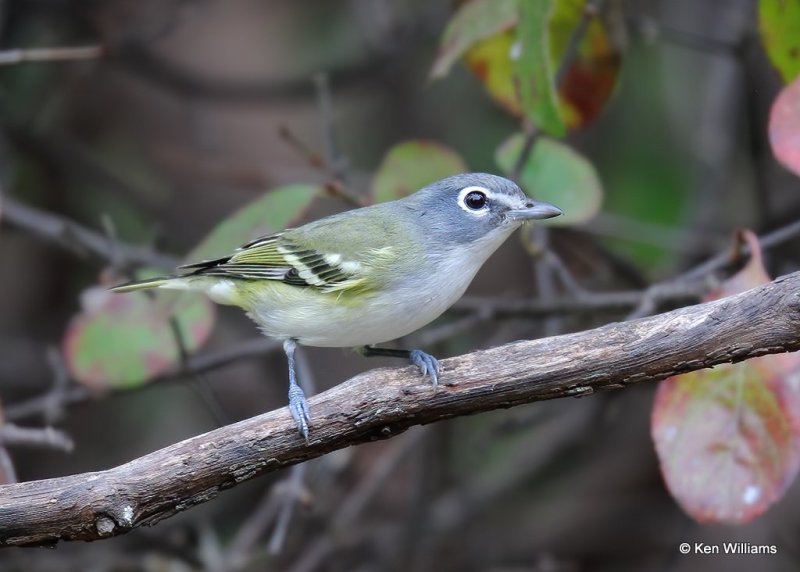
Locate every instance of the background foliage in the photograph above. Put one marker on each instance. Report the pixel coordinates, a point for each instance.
(183, 128)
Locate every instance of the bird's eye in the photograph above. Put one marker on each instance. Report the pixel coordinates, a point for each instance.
(475, 200)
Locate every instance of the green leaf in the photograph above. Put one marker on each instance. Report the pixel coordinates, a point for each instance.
(474, 21)
(519, 75)
(779, 22)
(490, 61)
(411, 165)
(554, 172)
(784, 127)
(274, 211)
(728, 438)
(533, 69)
(121, 341)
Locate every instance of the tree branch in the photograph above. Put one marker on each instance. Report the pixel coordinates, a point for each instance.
(148, 65)
(381, 403)
(72, 236)
(59, 54)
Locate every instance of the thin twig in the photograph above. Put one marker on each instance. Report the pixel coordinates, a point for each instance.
(209, 548)
(545, 277)
(768, 240)
(23, 55)
(143, 61)
(250, 531)
(337, 163)
(531, 135)
(78, 239)
(54, 405)
(295, 490)
(668, 238)
(115, 259)
(312, 157)
(652, 30)
(46, 438)
(591, 10)
(459, 504)
(357, 502)
(8, 473)
(195, 364)
(334, 187)
(703, 273)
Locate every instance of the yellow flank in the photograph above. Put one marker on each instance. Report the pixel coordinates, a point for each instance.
(251, 294)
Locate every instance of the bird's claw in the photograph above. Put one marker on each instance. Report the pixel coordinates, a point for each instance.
(427, 364)
(298, 406)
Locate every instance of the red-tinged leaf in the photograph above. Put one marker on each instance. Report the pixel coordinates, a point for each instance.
(556, 173)
(120, 341)
(751, 275)
(474, 21)
(590, 80)
(728, 438)
(490, 60)
(779, 23)
(518, 67)
(274, 211)
(534, 72)
(784, 127)
(411, 165)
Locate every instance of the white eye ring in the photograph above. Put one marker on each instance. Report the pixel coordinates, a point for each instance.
(481, 210)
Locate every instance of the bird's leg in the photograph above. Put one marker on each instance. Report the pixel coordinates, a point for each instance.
(426, 363)
(297, 398)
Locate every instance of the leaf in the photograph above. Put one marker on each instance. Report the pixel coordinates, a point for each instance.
(779, 23)
(555, 173)
(120, 341)
(474, 21)
(274, 211)
(411, 165)
(591, 77)
(540, 43)
(751, 275)
(490, 61)
(784, 127)
(534, 73)
(726, 442)
(728, 438)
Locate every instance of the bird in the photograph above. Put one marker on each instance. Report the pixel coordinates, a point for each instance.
(364, 276)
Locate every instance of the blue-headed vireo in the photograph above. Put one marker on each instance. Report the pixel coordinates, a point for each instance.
(368, 275)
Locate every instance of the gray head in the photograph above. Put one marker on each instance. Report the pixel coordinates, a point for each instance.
(465, 208)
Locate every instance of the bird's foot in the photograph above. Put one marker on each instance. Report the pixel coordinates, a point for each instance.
(427, 364)
(298, 406)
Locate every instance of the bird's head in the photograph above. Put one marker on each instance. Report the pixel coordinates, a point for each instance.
(471, 206)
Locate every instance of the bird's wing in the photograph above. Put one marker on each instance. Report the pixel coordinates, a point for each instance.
(280, 257)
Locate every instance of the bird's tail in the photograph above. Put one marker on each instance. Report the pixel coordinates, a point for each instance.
(169, 282)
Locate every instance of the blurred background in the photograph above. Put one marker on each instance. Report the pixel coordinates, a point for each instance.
(195, 108)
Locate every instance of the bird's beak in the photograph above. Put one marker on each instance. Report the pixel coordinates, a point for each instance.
(535, 211)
